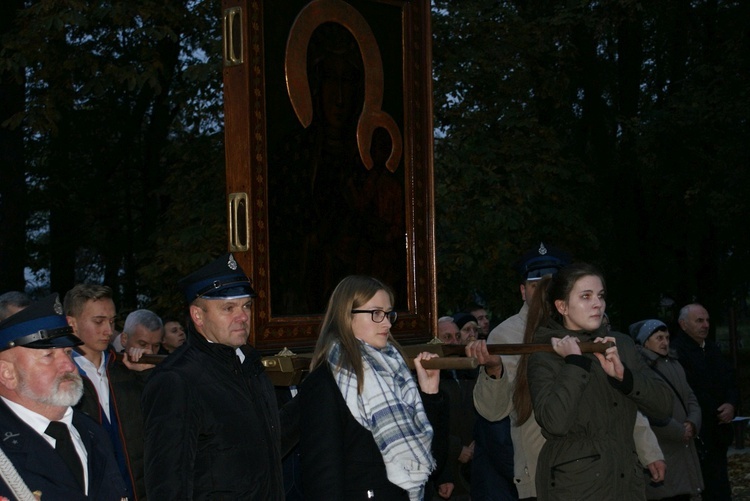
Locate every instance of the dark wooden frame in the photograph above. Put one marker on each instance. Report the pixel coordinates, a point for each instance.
(247, 118)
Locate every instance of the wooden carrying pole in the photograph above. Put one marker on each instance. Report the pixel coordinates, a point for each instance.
(451, 355)
(299, 363)
(458, 350)
(290, 370)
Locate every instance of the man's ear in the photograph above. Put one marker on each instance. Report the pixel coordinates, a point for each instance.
(561, 306)
(123, 338)
(522, 288)
(72, 323)
(196, 314)
(8, 377)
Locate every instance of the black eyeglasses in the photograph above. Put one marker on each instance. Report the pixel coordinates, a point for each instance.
(379, 315)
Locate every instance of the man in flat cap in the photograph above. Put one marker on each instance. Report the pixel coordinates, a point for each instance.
(213, 430)
(56, 450)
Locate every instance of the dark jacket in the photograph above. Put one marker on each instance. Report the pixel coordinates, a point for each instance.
(458, 388)
(43, 469)
(683, 469)
(340, 459)
(125, 388)
(713, 380)
(588, 419)
(212, 426)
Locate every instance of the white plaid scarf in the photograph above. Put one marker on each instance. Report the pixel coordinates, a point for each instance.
(391, 408)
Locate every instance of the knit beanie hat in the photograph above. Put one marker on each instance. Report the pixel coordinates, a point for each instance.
(641, 331)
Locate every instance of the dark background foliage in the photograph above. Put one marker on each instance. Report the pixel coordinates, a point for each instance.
(117, 160)
(616, 130)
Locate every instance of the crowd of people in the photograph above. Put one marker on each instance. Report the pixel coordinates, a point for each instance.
(598, 414)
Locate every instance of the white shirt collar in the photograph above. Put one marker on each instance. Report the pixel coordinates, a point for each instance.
(87, 365)
(238, 351)
(38, 422)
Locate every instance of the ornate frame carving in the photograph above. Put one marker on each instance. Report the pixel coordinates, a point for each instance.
(255, 67)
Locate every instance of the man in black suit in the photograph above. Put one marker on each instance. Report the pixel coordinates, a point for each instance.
(212, 426)
(57, 451)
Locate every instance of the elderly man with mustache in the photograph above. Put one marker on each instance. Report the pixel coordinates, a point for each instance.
(57, 452)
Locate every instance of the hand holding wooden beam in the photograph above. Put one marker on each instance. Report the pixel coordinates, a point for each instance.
(446, 350)
(145, 358)
(445, 363)
(452, 356)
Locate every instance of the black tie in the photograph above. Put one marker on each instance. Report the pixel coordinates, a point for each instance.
(64, 446)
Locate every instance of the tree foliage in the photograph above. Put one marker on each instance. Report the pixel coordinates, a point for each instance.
(122, 141)
(616, 130)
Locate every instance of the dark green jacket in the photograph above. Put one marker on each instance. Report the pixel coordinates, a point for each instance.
(588, 419)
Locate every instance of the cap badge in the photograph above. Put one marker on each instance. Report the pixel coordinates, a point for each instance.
(232, 263)
(542, 249)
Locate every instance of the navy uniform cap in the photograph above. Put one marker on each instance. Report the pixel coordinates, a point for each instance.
(222, 278)
(541, 261)
(39, 325)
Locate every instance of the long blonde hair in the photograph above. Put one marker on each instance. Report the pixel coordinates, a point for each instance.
(351, 293)
(542, 311)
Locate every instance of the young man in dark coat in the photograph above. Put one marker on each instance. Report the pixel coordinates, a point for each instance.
(39, 384)
(141, 334)
(111, 388)
(212, 425)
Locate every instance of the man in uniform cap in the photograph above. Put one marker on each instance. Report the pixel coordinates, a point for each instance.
(56, 450)
(531, 267)
(212, 425)
(493, 477)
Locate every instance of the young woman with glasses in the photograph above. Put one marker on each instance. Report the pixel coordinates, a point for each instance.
(367, 426)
